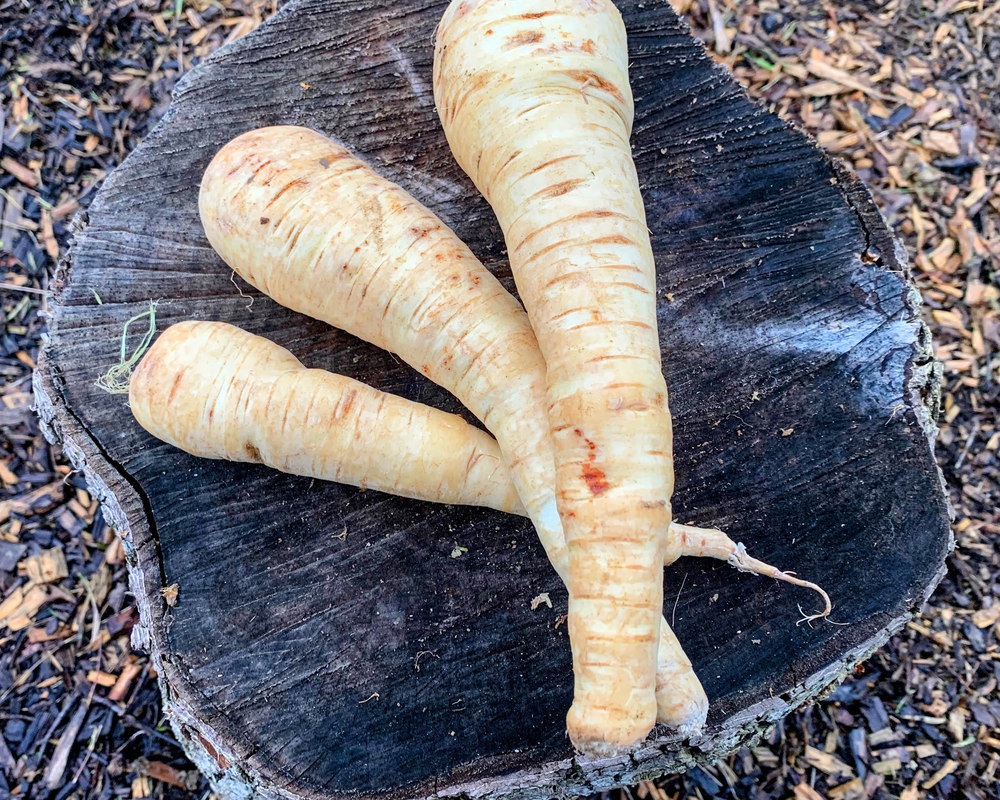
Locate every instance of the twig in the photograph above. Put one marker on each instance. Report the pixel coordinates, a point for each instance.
(95, 734)
(722, 42)
(11, 287)
(968, 445)
(60, 758)
(95, 631)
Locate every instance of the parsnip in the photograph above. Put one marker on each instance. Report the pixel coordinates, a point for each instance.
(535, 102)
(319, 231)
(216, 391)
(300, 218)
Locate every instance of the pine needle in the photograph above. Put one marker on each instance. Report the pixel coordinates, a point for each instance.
(116, 379)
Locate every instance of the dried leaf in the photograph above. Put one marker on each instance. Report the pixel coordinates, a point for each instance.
(170, 594)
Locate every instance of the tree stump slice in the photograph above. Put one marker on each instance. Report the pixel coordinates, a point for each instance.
(325, 642)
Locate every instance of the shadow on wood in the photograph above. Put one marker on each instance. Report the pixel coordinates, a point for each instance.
(324, 641)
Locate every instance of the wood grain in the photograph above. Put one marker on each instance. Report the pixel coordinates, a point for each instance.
(302, 662)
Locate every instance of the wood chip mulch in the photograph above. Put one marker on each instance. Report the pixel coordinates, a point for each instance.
(81, 83)
(907, 92)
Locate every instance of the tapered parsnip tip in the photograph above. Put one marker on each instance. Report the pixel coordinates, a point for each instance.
(682, 705)
(611, 733)
(744, 562)
(683, 708)
(713, 543)
(598, 747)
(681, 702)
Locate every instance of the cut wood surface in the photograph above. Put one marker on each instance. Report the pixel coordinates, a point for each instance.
(314, 640)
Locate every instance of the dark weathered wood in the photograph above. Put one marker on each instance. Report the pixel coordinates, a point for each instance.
(302, 662)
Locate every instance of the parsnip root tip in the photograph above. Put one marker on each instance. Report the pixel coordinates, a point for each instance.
(605, 734)
(689, 714)
(693, 729)
(808, 618)
(598, 748)
(744, 562)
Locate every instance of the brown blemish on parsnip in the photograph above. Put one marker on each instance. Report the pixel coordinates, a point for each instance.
(592, 475)
(599, 214)
(257, 171)
(595, 479)
(558, 189)
(594, 81)
(523, 38)
(176, 384)
(287, 187)
(347, 402)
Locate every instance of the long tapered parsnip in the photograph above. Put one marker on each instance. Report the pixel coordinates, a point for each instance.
(300, 218)
(535, 102)
(319, 231)
(216, 391)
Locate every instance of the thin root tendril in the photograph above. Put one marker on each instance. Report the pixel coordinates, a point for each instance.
(116, 379)
(713, 543)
